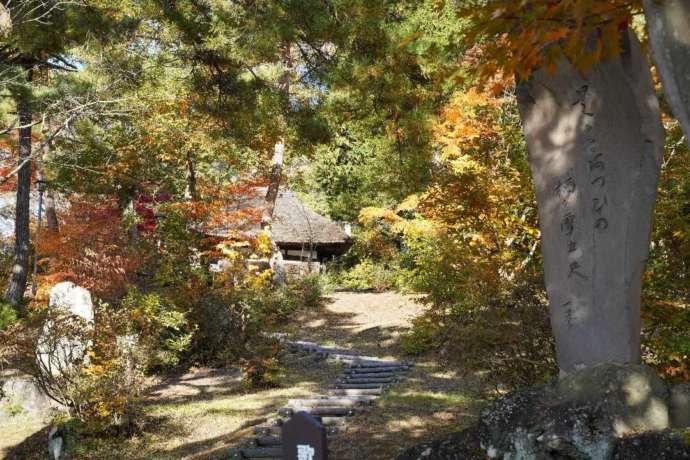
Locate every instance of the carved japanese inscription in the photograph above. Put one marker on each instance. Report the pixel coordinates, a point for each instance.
(595, 142)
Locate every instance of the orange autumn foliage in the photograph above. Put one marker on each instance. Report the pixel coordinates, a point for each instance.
(91, 248)
(232, 207)
(519, 37)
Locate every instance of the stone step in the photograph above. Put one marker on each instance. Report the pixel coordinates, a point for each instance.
(268, 441)
(368, 362)
(321, 411)
(331, 401)
(277, 431)
(376, 376)
(339, 351)
(255, 452)
(268, 430)
(261, 452)
(386, 380)
(356, 392)
(359, 386)
(333, 421)
(302, 343)
(343, 358)
(368, 365)
(373, 375)
(374, 370)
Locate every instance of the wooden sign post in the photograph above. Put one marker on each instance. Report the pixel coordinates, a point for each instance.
(304, 438)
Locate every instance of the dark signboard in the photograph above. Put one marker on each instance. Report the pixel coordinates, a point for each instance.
(304, 438)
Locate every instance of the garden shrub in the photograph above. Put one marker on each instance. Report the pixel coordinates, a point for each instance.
(163, 330)
(367, 274)
(103, 385)
(8, 315)
(308, 289)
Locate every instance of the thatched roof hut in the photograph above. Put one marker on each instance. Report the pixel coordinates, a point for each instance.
(299, 231)
(294, 223)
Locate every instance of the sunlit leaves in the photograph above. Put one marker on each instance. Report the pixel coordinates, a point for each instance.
(519, 37)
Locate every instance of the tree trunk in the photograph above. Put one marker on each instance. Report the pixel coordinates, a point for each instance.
(668, 26)
(276, 260)
(190, 193)
(274, 183)
(22, 248)
(595, 147)
(52, 222)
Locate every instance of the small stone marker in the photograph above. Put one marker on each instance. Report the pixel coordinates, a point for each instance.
(304, 438)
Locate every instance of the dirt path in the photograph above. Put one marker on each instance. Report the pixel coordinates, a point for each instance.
(431, 401)
(368, 310)
(372, 323)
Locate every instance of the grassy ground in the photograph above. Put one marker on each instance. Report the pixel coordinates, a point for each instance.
(201, 414)
(194, 416)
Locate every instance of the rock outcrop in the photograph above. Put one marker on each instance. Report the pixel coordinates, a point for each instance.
(605, 412)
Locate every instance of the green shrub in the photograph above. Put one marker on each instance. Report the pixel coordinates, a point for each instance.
(666, 299)
(8, 315)
(420, 339)
(164, 329)
(368, 274)
(308, 290)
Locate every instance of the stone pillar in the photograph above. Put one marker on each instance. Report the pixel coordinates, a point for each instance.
(595, 144)
(668, 25)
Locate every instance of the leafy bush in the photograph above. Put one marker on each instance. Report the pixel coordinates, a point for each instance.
(8, 315)
(92, 370)
(421, 338)
(367, 274)
(308, 290)
(665, 339)
(163, 329)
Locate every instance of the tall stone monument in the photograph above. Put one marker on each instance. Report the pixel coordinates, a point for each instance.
(595, 144)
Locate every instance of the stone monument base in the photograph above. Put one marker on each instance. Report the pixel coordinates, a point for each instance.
(609, 411)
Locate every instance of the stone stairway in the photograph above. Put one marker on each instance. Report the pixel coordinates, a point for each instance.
(363, 380)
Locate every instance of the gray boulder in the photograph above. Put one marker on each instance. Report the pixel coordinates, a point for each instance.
(20, 391)
(606, 412)
(62, 350)
(581, 416)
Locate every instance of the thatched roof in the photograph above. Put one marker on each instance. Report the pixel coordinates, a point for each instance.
(295, 223)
